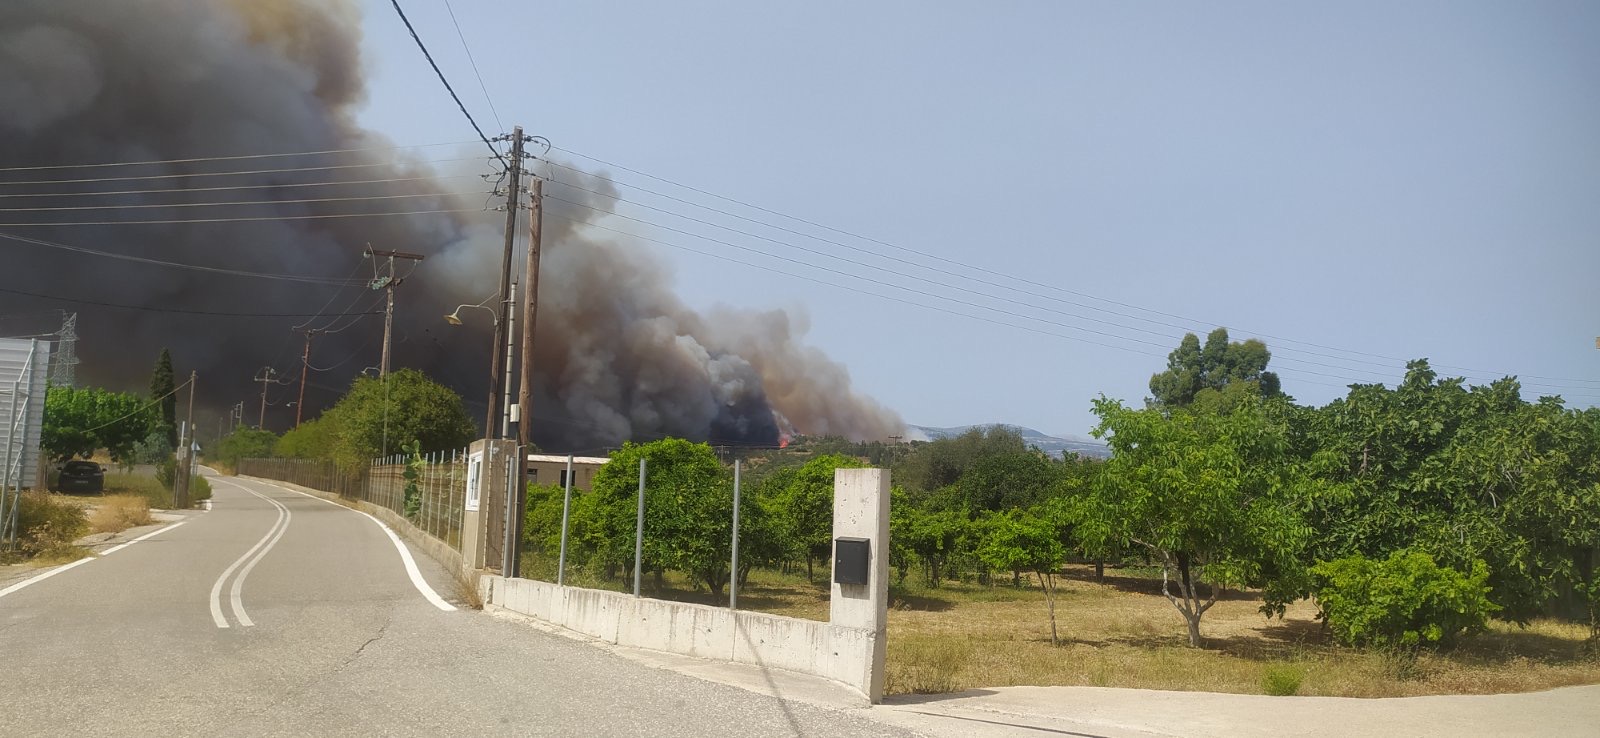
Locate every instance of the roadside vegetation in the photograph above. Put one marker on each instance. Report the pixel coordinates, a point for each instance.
(1425, 538)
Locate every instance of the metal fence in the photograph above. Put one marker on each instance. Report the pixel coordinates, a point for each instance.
(441, 486)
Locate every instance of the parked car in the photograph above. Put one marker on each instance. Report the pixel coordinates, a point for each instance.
(81, 476)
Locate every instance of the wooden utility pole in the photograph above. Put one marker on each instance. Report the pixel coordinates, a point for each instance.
(186, 453)
(264, 377)
(388, 283)
(530, 318)
(501, 326)
(305, 364)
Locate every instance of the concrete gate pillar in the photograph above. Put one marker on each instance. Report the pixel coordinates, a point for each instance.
(861, 511)
(483, 517)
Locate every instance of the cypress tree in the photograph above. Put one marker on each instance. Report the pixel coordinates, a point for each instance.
(162, 385)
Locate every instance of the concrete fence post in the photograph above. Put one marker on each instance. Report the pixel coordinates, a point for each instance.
(733, 563)
(638, 533)
(861, 511)
(566, 510)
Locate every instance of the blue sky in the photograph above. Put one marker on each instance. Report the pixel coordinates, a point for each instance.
(1350, 182)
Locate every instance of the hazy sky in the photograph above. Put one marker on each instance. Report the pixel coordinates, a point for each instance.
(1370, 180)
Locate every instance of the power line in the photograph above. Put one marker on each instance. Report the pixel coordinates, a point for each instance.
(1280, 339)
(141, 206)
(474, 62)
(146, 308)
(945, 285)
(1298, 374)
(147, 406)
(975, 292)
(447, 87)
(234, 173)
(175, 265)
(244, 220)
(268, 186)
(238, 157)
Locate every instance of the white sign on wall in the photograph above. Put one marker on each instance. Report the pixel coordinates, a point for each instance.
(474, 478)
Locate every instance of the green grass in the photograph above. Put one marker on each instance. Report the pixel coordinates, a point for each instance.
(1282, 680)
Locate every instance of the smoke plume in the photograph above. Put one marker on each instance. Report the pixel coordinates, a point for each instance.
(618, 355)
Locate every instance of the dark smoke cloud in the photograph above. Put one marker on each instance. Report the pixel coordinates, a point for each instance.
(618, 355)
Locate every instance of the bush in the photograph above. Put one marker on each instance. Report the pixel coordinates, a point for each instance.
(199, 489)
(1282, 680)
(167, 473)
(1403, 602)
(47, 524)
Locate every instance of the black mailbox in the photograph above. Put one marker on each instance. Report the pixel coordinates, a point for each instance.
(852, 559)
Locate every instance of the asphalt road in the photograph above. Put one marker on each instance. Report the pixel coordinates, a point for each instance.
(329, 636)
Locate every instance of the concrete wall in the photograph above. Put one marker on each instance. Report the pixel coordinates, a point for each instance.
(834, 652)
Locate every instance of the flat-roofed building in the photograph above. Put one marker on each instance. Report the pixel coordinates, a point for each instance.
(552, 469)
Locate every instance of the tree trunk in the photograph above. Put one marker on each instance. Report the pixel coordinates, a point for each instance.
(661, 579)
(1016, 578)
(809, 577)
(1194, 629)
(1050, 602)
(1100, 572)
(1183, 572)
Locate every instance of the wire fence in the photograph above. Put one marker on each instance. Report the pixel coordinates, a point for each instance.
(433, 498)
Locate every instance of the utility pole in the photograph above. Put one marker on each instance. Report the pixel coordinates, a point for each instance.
(530, 318)
(387, 283)
(264, 377)
(186, 452)
(305, 364)
(501, 326)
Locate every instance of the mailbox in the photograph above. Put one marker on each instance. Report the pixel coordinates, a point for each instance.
(852, 560)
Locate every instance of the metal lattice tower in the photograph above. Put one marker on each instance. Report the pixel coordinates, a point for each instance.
(64, 367)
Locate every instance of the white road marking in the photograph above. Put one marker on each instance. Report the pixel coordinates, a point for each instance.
(238, 582)
(151, 534)
(405, 553)
(85, 560)
(216, 589)
(46, 575)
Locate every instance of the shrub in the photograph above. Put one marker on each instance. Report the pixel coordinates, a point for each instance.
(199, 489)
(1282, 680)
(167, 473)
(117, 513)
(1404, 602)
(47, 523)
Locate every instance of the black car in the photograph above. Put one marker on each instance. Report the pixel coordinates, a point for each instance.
(81, 476)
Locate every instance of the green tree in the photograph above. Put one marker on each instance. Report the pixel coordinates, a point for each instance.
(78, 421)
(1019, 540)
(244, 443)
(941, 463)
(163, 388)
(802, 508)
(1405, 601)
(1209, 496)
(688, 523)
(314, 439)
(1200, 374)
(1462, 474)
(933, 538)
(404, 407)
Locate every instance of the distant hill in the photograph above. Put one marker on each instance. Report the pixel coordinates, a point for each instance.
(1053, 445)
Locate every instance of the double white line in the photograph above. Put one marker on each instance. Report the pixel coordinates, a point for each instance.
(248, 561)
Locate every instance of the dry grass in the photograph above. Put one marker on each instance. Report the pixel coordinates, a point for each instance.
(1123, 633)
(117, 513)
(142, 485)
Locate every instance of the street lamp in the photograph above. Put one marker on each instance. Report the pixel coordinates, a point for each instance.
(454, 318)
(497, 377)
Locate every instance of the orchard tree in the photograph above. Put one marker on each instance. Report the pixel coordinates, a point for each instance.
(688, 518)
(802, 508)
(1210, 496)
(1026, 541)
(78, 421)
(1199, 374)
